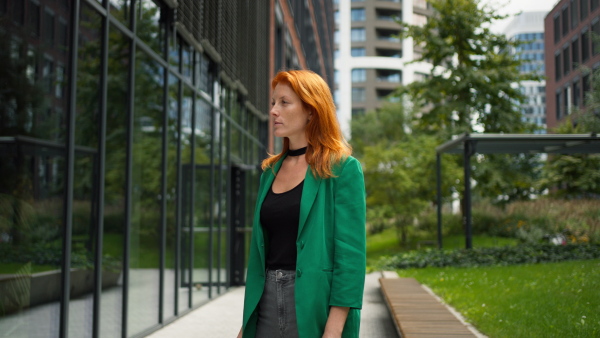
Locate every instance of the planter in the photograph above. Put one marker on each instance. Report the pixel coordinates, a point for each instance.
(18, 292)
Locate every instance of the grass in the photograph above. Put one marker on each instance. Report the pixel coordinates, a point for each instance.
(386, 243)
(542, 300)
(145, 253)
(13, 268)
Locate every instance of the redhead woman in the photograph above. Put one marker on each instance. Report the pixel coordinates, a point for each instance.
(306, 269)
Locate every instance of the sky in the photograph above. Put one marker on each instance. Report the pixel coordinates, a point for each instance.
(515, 6)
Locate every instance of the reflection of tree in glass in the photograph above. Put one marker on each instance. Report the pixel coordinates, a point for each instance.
(22, 99)
(23, 112)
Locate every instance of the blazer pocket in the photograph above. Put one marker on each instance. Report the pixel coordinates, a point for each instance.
(328, 270)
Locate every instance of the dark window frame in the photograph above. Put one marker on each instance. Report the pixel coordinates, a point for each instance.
(565, 20)
(585, 46)
(584, 9)
(576, 93)
(574, 13)
(557, 66)
(566, 60)
(575, 57)
(557, 34)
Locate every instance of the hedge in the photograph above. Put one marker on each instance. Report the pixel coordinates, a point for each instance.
(508, 255)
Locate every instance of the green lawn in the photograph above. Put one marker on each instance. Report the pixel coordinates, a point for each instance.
(542, 300)
(386, 243)
(19, 268)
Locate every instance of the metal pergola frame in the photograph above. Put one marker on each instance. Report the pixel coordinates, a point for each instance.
(470, 144)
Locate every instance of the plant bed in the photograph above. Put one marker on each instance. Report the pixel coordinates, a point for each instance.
(508, 255)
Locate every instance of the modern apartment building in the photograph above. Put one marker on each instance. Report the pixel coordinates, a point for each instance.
(131, 132)
(572, 29)
(370, 60)
(528, 27)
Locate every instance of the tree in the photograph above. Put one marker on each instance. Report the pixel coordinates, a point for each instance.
(399, 168)
(472, 86)
(472, 81)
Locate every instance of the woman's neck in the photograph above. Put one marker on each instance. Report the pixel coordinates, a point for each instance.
(297, 144)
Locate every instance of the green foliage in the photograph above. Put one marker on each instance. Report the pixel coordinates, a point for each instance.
(50, 254)
(386, 244)
(471, 88)
(574, 175)
(471, 81)
(399, 168)
(508, 255)
(506, 178)
(534, 300)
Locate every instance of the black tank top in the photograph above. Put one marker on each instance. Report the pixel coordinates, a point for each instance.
(279, 216)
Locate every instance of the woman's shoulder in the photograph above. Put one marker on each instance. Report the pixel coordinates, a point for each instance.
(347, 162)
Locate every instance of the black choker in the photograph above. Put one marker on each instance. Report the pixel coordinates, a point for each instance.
(297, 152)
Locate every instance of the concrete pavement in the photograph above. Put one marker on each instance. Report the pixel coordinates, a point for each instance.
(222, 317)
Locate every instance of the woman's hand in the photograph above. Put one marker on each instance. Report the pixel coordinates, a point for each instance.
(240, 334)
(335, 322)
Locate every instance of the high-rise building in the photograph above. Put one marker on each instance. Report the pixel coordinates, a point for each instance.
(528, 27)
(301, 38)
(572, 29)
(131, 134)
(370, 61)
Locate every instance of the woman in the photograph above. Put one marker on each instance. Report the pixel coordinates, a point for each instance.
(306, 269)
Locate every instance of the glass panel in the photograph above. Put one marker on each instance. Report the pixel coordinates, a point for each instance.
(188, 260)
(85, 184)
(34, 18)
(236, 135)
(151, 24)
(120, 9)
(202, 203)
(170, 288)
(174, 44)
(32, 168)
(204, 74)
(187, 53)
(220, 223)
(146, 195)
(357, 14)
(114, 184)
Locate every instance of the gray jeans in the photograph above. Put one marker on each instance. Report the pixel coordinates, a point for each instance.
(277, 307)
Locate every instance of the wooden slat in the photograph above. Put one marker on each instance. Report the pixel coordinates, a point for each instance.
(417, 314)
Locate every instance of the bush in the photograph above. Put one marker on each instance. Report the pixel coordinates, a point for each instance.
(536, 220)
(508, 255)
(451, 223)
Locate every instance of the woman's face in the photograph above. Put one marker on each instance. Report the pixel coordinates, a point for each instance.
(288, 114)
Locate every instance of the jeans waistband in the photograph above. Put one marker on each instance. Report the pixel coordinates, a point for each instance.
(280, 275)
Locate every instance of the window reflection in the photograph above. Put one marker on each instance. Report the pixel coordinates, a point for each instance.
(151, 24)
(32, 166)
(145, 195)
(190, 219)
(115, 184)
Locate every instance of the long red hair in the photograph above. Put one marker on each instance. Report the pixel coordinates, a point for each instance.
(326, 144)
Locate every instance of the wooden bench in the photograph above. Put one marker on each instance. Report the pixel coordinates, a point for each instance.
(417, 313)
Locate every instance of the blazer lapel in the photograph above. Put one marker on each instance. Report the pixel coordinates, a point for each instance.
(309, 193)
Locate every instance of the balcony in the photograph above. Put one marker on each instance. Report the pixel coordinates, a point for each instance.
(388, 35)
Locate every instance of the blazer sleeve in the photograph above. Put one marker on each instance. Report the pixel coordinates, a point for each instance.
(349, 237)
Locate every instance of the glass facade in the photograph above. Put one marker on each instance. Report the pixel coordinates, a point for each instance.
(128, 166)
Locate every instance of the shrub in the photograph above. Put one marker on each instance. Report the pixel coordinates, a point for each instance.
(451, 223)
(508, 255)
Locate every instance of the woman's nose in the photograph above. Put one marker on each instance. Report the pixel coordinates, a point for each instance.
(274, 111)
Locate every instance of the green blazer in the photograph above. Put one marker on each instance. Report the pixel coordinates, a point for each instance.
(331, 262)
